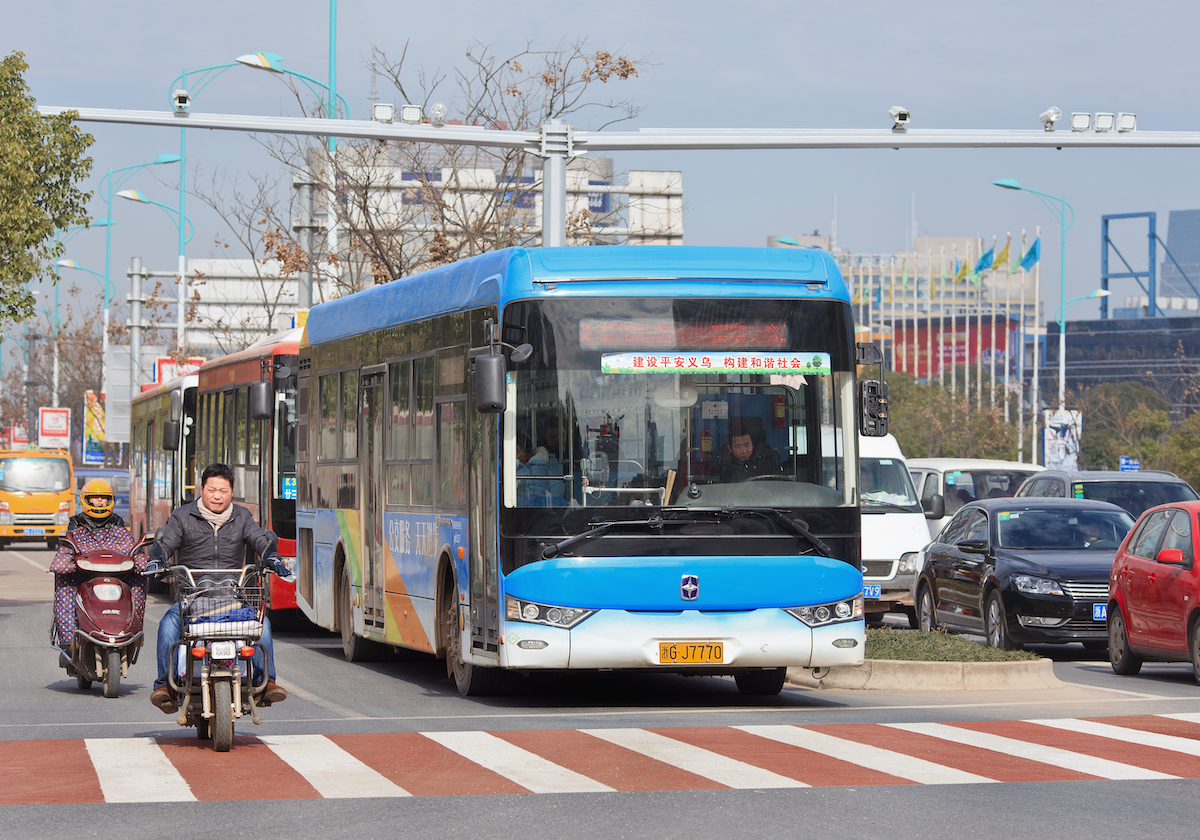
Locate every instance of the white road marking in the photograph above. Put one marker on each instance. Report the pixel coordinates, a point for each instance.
(136, 770)
(316, 700)
(333, 772)
(697, 760)
(1079, 762)
(527, 769)
(864, 755)
(1186, 717)
(41, 567)
(1123, 733)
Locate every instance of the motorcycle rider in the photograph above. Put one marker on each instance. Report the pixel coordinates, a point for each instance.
(97, 528)
(212, 533)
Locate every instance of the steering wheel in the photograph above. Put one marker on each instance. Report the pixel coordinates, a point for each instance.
(779, 477)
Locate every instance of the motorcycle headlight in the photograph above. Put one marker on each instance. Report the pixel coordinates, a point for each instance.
(908, 563)
(834, 612)
(517, 610)
(1037, 586)
(106, 591)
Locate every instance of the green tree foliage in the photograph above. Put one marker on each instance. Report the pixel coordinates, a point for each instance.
(930, 422)
(41, 161)
(1123, 418)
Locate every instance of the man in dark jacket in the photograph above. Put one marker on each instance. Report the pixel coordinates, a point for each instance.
(747, 457)
(212, 533)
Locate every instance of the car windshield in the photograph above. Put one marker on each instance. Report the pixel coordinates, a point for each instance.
(886, 484)
(1062, 530)
(965, 486)
(35, 475)
(1135, 496)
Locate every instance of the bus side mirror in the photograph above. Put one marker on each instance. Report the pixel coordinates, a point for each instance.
(872, 408)
(491, 385)
(176, 412)
(935, 506)
(262, 405)
(170, 435)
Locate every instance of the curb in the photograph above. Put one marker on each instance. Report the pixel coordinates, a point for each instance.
(902, 675)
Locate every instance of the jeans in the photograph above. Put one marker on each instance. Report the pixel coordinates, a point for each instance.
(169, 633)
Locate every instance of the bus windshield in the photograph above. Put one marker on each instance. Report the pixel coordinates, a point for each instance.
(681, 403)
(35, 475)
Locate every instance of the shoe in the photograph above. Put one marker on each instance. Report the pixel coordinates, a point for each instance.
(165, 699)
(273, 693)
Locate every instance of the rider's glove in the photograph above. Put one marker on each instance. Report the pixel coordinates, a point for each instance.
(277, 566)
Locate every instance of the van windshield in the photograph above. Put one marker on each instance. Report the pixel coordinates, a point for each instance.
(34, 475)
(886, 486)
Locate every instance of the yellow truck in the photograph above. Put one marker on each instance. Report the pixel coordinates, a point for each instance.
(37, 495)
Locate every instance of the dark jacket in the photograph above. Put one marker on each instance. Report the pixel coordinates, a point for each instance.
(192, 540)
(764, 461)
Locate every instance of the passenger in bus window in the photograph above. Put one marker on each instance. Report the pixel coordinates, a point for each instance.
(531, 464)
(748, 454)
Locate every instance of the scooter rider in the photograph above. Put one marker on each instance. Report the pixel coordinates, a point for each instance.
(212, 533)
(98, 528)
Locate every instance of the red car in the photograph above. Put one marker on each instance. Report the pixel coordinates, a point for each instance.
(1154, 591)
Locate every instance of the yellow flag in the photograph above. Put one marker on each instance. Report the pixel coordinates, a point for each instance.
(1001, 258)
(962, 271)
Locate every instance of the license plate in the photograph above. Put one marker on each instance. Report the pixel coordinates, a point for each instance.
(690, 653)
(223, 650)
(1099, 612)
(38, 531)
(871, 591)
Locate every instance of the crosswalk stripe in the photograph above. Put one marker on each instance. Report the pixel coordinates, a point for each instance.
(864, 755)
(721, 769)
(1187, 717)
(333, 772)
(1124, 733)
(136, 770)
(1078, 762)
(528, 770)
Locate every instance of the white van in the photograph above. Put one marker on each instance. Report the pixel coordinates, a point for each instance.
(894, 529)
(960, 480)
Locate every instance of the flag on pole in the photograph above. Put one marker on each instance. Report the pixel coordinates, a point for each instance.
(1016, 264)
(985, 262)
(1033, 255)
(1001, 258)
(960, 272)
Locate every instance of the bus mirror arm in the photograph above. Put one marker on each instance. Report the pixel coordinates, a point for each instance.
(491, 371)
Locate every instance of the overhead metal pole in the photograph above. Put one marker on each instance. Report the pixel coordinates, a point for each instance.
(135, 325)
(555, 149)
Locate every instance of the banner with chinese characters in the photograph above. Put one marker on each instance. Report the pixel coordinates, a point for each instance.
(815, 364)
(54, 428)
(93, 429)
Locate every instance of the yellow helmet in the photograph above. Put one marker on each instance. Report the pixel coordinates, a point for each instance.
(93, 489)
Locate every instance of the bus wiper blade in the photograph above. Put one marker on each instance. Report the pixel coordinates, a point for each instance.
(599, 528)
(789, 523)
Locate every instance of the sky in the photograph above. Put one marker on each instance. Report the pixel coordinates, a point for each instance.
(706, 63)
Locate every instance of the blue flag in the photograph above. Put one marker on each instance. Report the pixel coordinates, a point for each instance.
(1035, 254)
(985, 262)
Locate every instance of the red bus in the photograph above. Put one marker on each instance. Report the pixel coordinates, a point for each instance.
(258, 442)
(162, 462)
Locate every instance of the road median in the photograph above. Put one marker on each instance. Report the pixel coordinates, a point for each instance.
(901, 675)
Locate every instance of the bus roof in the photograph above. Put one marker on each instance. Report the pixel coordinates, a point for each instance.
(286, 342)
(188, 380)
(500, 275)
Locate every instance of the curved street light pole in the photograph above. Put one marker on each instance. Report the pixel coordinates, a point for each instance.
(103, 281)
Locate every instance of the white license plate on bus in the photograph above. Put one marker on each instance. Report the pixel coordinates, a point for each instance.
(871, 591)
(38, 531)
(1099, 612)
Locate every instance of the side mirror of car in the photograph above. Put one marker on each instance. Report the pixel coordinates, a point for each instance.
(935, 506)
(1171, 557)
(973, 546)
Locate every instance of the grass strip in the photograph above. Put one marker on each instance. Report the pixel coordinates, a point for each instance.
(938, 646)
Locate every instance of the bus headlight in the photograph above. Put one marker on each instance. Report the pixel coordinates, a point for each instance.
(517, 610)
(835, 612)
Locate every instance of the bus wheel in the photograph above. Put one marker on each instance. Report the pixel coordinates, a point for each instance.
(470, 680)
(354, 648)
(765, 683)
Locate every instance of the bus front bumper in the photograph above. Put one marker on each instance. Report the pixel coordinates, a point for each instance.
(619, 639)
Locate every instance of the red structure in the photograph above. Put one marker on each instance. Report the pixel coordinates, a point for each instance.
(953, 342)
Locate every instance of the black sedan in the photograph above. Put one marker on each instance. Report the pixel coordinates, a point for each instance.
(1023, 570)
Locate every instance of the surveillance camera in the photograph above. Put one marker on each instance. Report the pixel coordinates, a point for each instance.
(181, 100)
(900, 117)
(1049, 117)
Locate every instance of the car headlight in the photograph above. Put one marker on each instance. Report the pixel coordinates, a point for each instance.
(908, 563)
(516, 609)
(1037, 586)
(834, 612)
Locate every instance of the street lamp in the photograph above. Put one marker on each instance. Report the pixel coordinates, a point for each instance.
(1060, 314)
(177, 219)
(1060, 215)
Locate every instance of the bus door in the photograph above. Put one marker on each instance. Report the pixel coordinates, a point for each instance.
(483, 572)
(371, 494)
(148, 480)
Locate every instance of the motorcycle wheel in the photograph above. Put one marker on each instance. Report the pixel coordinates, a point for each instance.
(83, 682)
(222, 721)
(112, 674)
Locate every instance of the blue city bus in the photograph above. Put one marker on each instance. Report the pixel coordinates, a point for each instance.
(588, 458)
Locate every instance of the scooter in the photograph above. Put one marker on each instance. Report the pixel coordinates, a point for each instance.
(108, 635)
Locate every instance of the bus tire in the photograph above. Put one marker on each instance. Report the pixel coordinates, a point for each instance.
(354, 648)
(471, 680)
(764, 683)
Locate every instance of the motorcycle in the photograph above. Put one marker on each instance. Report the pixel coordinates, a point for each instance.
(221, 622)
(108, 634)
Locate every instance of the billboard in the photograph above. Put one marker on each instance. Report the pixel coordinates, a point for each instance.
(54, 428)
(93, 429)
(965, 341)
(1061, 435)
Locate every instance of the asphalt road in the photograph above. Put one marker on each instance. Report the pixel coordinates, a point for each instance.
(606, 755)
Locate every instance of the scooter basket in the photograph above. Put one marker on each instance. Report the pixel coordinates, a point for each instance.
(220, 605)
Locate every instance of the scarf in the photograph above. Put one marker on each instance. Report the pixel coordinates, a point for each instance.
(214, 519)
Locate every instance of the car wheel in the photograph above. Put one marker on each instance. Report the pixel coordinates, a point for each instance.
(1123, 660)
(1195, 647)
(926, 616)
(996, 623)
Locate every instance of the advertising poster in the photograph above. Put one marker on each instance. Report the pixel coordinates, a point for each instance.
(20, 437)
(93, 429)
(54, 428)
(1061, 439)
